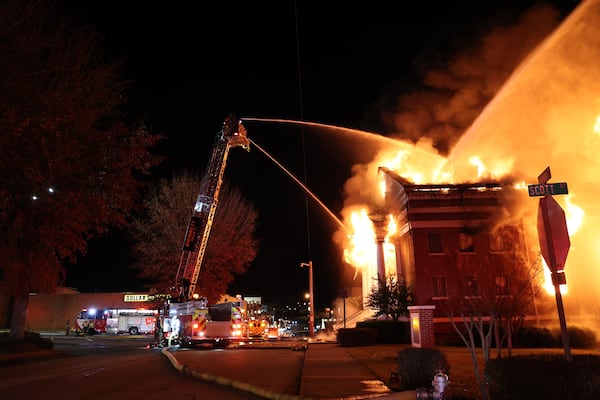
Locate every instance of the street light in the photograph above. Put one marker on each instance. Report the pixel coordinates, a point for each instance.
(311, 321)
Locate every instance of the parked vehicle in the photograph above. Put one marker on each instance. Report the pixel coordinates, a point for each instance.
(113, 321)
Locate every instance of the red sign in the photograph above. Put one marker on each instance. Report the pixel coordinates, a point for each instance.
(553, 233)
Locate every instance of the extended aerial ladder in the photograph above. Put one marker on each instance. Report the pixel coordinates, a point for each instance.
(233, 134)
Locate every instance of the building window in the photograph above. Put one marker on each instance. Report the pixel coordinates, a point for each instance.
(465, 242)
(435, 243)
(503, 239)
(440, 287)
(496, 243)
(471, 286)
(501, 285)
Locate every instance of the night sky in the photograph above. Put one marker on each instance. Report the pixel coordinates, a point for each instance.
(193, 63)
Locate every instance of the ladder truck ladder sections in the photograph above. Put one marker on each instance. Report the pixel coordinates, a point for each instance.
(233, 134)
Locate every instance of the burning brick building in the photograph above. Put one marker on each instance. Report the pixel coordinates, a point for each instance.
(442, 238)
(454, 245)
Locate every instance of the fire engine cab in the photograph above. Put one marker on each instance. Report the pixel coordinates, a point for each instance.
(91, 321)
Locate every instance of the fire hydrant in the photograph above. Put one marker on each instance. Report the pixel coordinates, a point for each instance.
(440, 390)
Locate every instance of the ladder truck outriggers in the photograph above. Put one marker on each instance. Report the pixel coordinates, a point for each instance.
(197, 322)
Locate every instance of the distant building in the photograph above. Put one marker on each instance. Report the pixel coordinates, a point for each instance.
(50, 311)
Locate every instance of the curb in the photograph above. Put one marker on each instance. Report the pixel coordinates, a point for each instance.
(267, 394)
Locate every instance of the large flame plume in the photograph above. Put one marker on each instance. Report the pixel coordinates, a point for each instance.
(546, 113)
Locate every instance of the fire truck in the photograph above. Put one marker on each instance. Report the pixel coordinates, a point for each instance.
(133, 321)
(216, 325)
(91, 321)
(258, 328)
(196, 322)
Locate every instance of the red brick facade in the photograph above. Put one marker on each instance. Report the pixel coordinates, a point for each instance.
(454, 242)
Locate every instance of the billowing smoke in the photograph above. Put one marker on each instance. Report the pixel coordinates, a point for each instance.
(525, 96)
(547, 114)
(450, 96)
(456, 87)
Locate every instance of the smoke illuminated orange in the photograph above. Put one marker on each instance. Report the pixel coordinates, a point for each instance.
(546, 114)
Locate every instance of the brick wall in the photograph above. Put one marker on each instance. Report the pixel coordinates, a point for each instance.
(422, 331)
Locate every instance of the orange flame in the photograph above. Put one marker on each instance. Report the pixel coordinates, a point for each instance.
(361, 251)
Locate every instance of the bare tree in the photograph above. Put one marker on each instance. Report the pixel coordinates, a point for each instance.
(519, 300)
(495, 291)
(68, 156)
(159, 235)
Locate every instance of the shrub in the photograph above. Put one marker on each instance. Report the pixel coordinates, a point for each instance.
(31, 341)
(37, 339)
(350, 337)
(581, 338)
(417, 366)
(389, 331)
(548, 376)
(535, 337)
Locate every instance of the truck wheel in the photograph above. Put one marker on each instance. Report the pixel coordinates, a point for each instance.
(133, 330)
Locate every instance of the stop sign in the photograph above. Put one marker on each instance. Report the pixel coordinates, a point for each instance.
(553, 233)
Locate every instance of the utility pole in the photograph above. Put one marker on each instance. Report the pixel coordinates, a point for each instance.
(311, 322)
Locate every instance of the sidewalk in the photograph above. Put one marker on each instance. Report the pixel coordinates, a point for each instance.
(328, 373)
(331, 373)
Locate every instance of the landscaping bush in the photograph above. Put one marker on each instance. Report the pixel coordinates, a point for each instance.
(417, 366)
(31, 341)
(535, 337)
(545, 376)
(581, 338)
(389, 331)
(349, 337)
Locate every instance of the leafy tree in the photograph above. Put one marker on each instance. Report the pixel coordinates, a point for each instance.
(160, 231)
(391, 297)
(68, 157)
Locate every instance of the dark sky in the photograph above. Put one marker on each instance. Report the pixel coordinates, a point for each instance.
(193, 63)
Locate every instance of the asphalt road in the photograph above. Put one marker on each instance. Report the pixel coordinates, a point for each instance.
(125, 368)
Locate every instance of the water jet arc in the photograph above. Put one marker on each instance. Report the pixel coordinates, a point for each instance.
(303, 186)
(363, 134)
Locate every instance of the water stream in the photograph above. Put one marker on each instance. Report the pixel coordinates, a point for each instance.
(382, 140)
(302, 185)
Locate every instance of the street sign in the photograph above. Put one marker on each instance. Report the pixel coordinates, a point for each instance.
(545, 175)
(553, 233)
(554, 244)
(546, 189)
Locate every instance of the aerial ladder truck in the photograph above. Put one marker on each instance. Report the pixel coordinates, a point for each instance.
(190, 311)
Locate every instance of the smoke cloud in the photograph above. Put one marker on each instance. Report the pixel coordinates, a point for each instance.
(455, 88)
(522, 97)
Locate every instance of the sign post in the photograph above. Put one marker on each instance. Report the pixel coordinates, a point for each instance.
(554, 242)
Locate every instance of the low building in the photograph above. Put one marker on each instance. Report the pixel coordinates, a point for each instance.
(49, 312)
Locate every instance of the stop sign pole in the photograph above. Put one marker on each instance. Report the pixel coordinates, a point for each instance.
(554, 243)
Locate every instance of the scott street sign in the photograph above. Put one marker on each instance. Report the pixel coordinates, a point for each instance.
(548, 189)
